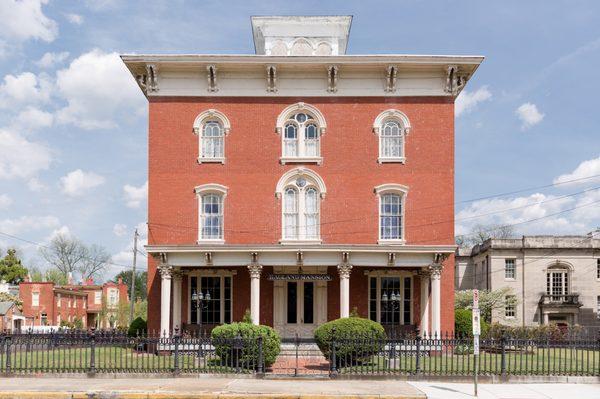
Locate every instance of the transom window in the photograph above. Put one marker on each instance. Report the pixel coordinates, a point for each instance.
(391, 212)
(211, 199)
(509, 269)
(391, 126)
(210, 297)
(390, 300)
(211, 126)
(301, 191)
(301, 126)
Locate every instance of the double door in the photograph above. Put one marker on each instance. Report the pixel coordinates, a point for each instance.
(299, 307)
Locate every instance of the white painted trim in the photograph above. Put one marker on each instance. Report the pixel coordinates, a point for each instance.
(211, 160)
(301, 107)
(211, 188)
(393, 114)
(202, 241)
(275, 248)
(286, 160)
(211, 114)
(300, 172)
(391, 160)
(391, 187)
(288, 241)
(392, 242)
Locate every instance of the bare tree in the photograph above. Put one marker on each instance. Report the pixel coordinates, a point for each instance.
(70, 255)
(94, 263)
(480, 233)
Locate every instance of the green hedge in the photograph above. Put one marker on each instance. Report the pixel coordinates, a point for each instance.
(357, 339)
(463, 323)
(223, 339)
(137, 326)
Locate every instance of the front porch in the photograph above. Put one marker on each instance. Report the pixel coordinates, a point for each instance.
(295, 290)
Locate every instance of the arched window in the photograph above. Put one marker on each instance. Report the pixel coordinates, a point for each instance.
(391, 126)
(211, 198)
(211, 126)
(301, 126)
(392, 199)
(301, 191)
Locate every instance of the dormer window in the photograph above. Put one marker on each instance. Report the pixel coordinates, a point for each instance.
(301, 127)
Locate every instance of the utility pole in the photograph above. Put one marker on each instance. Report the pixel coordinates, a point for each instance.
(132, 299)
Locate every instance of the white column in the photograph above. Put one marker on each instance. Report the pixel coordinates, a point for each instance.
(424, 275)
(344, 270)
(436, 319)
(177, 294)
(255, 270)
(165, 298)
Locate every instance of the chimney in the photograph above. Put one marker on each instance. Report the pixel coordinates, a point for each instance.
(70, 278)
(89, 281)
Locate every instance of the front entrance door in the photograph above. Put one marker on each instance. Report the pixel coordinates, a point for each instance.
(299, 307)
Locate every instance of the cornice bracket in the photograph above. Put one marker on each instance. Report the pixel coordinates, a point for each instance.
(455, 80)
(392, 72)
(211, 75)
(271, 78)
(332, 78)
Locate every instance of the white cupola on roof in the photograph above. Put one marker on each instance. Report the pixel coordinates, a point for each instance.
(301, 36)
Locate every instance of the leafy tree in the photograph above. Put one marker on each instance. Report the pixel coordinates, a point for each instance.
(11, 269)
(488, 301)
(70, 255)
(140, 284)
(52, 275)
(140, 310)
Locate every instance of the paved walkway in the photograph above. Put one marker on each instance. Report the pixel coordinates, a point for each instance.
(202, 387)
(442, 390)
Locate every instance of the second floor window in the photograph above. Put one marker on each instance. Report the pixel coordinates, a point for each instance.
(211, 219)
(510, 308)
(557, 282)
(391, 212)
(301, 127)
(35, 299)
(98, 297)
(509, 269)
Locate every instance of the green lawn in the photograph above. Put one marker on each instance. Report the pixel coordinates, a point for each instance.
(108, 359)
(554, 361)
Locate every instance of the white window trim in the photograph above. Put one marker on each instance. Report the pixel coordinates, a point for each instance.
(201, 119)
(515, 271)
(211, 188)
(514, 308)
(313, 180)
(391, 188)
(402, 119)
(387, 273)
(36, 295)
(210, 273)
(284, 117)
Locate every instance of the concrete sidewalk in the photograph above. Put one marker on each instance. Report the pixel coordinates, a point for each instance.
(442, 390)
(202, 387)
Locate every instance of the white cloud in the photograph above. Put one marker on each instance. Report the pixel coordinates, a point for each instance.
(520, 211)
(62, 230)
(26, 224)
(35, 185)
(48, 60)
(75, 19)
(5, 201)
(585, 169)
(21, 158)
(120, 229)
(98, 89)
(24, 19)
(26, 88)
(529, 115)
(134, 196)
(468, 101)
(125, 256)
(32, 118)
(78, 182)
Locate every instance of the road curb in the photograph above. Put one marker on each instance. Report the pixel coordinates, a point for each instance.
(184, 395)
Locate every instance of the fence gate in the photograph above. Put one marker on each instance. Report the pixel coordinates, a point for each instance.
(299, 357)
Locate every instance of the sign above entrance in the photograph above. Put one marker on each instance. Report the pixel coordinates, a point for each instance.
(299, 277)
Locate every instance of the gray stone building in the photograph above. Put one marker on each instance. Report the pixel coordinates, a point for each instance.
(555, 279)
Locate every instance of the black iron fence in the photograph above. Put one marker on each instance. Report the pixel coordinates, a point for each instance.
(115, 352)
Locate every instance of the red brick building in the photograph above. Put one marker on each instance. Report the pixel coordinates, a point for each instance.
(301, 183)
(46, 304)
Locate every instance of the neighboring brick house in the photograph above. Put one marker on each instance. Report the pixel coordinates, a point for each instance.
(301, 183)
(11, 317)
(48, 304)
(554, 279)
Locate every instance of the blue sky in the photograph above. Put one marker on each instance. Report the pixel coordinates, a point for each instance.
(73, 123)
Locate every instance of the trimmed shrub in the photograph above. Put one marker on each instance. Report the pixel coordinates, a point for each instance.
(223, 338)
(137, 326)
(463, 323)
(356, 339)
